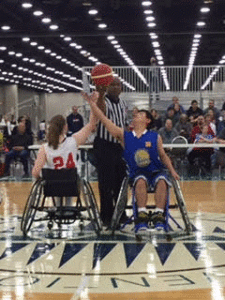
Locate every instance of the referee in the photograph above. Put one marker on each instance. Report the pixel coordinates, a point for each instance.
(110, 164)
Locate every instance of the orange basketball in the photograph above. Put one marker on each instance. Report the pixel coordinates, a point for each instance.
(102, 74)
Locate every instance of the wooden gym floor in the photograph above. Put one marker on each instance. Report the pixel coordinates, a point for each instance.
(45, 267)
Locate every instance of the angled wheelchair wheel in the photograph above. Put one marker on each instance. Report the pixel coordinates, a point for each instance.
(120, 204)
(31, 206)
(86, 194)
(182, 206)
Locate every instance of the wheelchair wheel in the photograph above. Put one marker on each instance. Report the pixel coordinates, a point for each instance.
(120, 204)
(88, 196)
(182, 206)
(31, 207)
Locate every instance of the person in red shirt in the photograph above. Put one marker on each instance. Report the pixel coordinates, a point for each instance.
(200, 157)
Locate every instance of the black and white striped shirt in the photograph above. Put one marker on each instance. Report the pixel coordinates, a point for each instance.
(116, 112)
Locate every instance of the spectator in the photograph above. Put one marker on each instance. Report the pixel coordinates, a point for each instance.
(193, 112)
(211, 105)
(18, 147)
(198, 128)
(75, 121)
(210, 121)
(223, 106)
(220, 154)
(157, 120)
(170, 114)
(26, 120)
(176, 100)
(184, 127)
(204, 154)
(221, 123)
(7, 129)
(168, 133)
(154, 80)
(41, 132)
(177, 111)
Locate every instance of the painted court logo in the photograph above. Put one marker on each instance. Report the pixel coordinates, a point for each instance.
(142, 158)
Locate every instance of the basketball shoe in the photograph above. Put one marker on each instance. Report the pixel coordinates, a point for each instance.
(141, 224)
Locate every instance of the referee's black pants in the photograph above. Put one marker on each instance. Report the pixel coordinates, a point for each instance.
(111, 170)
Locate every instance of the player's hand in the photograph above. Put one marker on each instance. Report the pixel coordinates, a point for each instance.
(85, 96)
(90, 98)
(175, 175)
(94, 97)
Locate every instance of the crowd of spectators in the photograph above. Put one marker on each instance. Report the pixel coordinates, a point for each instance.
(17, 137)
(196, 126)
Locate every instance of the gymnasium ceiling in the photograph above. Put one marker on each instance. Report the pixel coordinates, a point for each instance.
(78, 41)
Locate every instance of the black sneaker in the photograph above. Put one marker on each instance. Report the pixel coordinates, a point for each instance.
(158, 220)
(141, 223)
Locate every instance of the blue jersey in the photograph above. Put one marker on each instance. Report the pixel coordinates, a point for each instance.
(141, 154)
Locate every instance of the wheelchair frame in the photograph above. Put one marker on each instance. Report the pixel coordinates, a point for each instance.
(61, 214)
(121, 205)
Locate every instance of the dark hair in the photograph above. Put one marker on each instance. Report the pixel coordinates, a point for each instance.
(194, 101)
(148, 116)
(20, 119)
(55, 129)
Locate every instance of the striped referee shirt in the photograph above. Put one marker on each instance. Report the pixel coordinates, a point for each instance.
(116, 112)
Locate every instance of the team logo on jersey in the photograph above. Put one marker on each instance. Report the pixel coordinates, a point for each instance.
(142, 158)
(148, 144)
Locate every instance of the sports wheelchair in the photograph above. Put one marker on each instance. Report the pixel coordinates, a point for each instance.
(61, 183)
(185, 229)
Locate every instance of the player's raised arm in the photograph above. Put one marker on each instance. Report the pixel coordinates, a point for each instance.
(115, 131)
(82, 135)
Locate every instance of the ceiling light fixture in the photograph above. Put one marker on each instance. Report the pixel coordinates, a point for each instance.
(86, 3)
(33, 44)
(93, 12)
(148, 12)
(27, 5)
(26, 39)
(149, 19)
(37, 13)
(146, 3)
(201, 24)
(151, 24)
(46, 20)
(6, 27)
(204, 10)
(53, 27)
(111, 37)
(67, 38)
(102, 25)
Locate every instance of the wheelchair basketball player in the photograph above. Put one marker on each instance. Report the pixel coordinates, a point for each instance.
(146, 160)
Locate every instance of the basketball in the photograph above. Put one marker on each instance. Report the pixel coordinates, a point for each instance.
(102, 74)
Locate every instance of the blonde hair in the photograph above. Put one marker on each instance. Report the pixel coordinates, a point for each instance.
(56, 126)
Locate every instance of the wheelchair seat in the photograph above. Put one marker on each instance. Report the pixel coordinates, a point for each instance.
(121, 205)
(61, 184)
